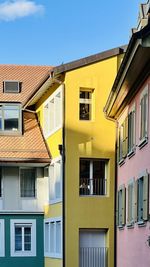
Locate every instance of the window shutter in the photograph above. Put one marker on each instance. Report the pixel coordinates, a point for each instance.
(125, 137)
(145, 196)
(135, 199)
(117, 213)
(118, 146)
(123, 206)
(129, 219)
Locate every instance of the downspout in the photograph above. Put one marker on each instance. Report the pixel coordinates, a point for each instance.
(115, 189)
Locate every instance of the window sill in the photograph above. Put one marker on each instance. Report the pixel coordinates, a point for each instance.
(141, 223)
(121, 227)
(121, 162)
(47, 135)
(131, 153)
(54, 255)
(143, 142)
(55, 201)
(130, 225)
(95, 196)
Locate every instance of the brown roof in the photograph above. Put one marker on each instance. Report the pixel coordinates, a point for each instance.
(29, 76)
(29, 147)
(89, 60)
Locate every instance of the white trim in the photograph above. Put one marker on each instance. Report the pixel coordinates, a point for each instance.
(2, 235)
(48, 253)
(52, 181)
(22, 222)
(49, 132)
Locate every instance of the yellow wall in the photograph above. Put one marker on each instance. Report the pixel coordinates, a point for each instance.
(51, 210)
(93, 139)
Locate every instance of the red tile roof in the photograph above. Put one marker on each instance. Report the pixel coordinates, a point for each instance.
(29, 76)
(29, 147)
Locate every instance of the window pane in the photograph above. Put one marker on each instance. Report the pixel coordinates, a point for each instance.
(57, 179)
(18, 238)
(27, 238)
(0, 182)
(52, 237)
(27, 182)
(58, 110)
(58, 237)
(46, 237)
(98, 177)
(11, 118)
(85, 105)
(51, 114)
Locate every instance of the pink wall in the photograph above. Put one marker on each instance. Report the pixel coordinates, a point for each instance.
(132, 248)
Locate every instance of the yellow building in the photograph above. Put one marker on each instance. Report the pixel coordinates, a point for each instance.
(79, 216)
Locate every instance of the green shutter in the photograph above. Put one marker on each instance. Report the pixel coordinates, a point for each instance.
(117, 213)
(145, 196)
(129, 203)
(135, 200)
(123, 206)
(125, 137)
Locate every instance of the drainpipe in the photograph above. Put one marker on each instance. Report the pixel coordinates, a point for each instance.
(115, 189)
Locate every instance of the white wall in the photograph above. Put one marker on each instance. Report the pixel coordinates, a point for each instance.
(11, 199)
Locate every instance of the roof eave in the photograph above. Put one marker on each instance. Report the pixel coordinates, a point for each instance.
(124, 80)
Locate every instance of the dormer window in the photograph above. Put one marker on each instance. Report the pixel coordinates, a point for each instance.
(10, 118)
(11, 86)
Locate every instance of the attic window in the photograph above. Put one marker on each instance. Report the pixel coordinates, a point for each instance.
(11, 86)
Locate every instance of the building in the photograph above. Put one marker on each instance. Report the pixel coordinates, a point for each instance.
(128, 105)
(79, 215)
(23, 158)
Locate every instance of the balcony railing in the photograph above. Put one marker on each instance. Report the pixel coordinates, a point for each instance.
(96, 186)
(93, 257)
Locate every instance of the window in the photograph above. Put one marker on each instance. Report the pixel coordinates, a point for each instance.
(53, 113)
(23, 238)
(121, 206)
(131, 201)
(142, 198)
(10, 118)
(53, 237)
(55, 181)
(2, 238)
(131, 130)
(0, 182)
(11, 86)
(92, 177)
(93, 250)
(123, 140)
(144, 116)
(28, 182)
(85, 104)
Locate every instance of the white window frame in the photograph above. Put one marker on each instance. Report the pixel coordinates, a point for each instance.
(143, 139)
(34, 197)
(86, 101)
(48, 253)
(52, 180)
(47, 130)
(2, 234)
(21, 222)
(1, 182)
(2, 107)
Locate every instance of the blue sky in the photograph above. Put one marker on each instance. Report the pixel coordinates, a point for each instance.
(49, 32)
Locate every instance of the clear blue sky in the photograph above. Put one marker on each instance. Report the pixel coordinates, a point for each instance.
(49, 32)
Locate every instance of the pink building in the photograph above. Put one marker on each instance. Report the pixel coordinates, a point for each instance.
(129, 105)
